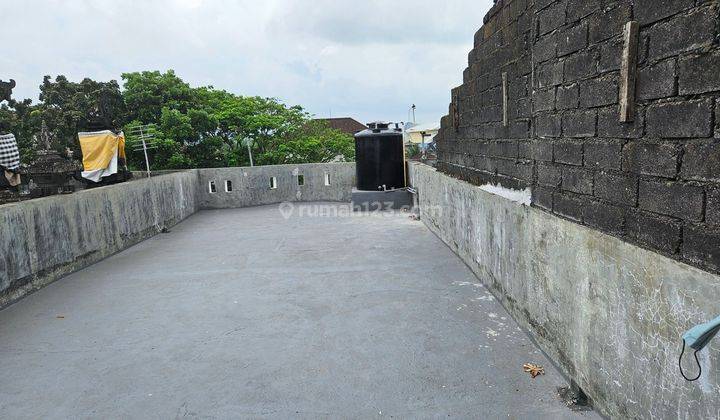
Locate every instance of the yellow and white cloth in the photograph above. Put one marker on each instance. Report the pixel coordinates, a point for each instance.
(101, 151)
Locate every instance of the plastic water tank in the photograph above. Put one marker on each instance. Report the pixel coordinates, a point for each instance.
(380, 157)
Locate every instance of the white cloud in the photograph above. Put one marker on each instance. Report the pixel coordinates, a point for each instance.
(369, 59)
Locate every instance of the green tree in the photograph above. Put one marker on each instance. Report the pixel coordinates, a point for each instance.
(21, 119)
(147, 93)
(314, 142)
(68, 108)
(192, 127)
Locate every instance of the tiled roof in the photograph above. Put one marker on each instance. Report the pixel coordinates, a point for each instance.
(344, 124)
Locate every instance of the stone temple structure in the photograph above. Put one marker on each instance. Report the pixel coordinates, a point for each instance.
(51, 173)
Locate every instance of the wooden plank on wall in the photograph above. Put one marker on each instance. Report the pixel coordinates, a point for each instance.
(628, 72)
(506, 120)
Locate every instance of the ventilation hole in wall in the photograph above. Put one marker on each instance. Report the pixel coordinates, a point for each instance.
(327, 179)
(212, 187)
(273, 183)
(301, 180)
(228, 186)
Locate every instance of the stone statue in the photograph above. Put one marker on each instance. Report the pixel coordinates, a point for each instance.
(6, 90)
(46, 138)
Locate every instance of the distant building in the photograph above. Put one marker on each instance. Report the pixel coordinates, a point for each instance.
(344, 124)
(421, 133)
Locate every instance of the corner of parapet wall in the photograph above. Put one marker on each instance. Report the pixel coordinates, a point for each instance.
(45, 239)
(539, 108)
(609, 313)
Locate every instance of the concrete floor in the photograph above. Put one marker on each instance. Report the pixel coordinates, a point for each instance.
(241, 313)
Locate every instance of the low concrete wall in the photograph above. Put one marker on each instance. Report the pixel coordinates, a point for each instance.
(42, 240)
(609, 313)
(251, 186)
(45, 239)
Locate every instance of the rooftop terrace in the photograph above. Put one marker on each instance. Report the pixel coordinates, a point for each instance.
(243, 312)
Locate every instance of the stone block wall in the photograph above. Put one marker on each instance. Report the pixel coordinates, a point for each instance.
(555, 125)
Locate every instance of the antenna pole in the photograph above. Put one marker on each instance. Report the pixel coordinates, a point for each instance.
(147, 161)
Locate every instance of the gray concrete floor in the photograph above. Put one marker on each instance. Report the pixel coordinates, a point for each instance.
(241, 313)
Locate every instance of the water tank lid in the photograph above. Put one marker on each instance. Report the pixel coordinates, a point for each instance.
(380, 128)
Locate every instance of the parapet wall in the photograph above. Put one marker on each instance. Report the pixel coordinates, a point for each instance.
(42, 240)
(252, 186)
(554, 125)
(610, 314)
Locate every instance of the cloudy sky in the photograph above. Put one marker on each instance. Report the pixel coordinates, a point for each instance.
(369, 59)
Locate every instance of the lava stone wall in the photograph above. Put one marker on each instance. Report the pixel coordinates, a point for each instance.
(654, 181)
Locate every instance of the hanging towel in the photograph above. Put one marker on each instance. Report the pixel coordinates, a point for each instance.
(699, 336)
(101, 150)
(12, 178)
(9, 153)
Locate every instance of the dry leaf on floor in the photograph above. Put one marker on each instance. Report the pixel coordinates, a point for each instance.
(533, 369)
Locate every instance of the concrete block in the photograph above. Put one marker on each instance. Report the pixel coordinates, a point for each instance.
(579, 123)
(610, 55)
(545, 48)
(568, 206)
(599, 91)
(544, 99)
(607, 23)
(657, 80)
(610, 126)
(699, 73)
(580, 65)
(680, 119)
(649, 11)
(577, 180)
(603, 154)
(549, 175)
(572, 39)
(547, 125)
(701, 161)
(702, 245)
(567, 97)
(569, 153)
(551, 18)
(617, 188)
(656, 232)
(672, 199)
(658, 159)
(605, 217)
(543, 198)
(712, 211)
(683, 33)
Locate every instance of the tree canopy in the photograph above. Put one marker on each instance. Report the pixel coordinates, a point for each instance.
(193, 127)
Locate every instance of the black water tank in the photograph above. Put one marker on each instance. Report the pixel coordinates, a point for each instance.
(380, 157)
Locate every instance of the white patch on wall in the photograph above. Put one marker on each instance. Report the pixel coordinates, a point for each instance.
(523, 197)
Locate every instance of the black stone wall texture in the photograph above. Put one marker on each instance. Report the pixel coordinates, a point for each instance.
(655, 181)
